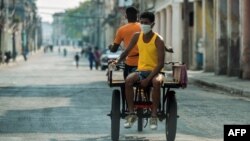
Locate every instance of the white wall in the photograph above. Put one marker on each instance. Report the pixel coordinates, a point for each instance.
(47, 33)
(173, 28)
(177, 31)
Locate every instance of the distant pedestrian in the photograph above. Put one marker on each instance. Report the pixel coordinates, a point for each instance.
(7, 57)
(25, 53)
(51, 48)
(59, 50)
(64, 52)
(82, 51)
(77, 57)
(91, 58)
(97, 56)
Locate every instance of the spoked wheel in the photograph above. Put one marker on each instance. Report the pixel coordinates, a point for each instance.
(140, 119)
(115, 115)
(171, 116)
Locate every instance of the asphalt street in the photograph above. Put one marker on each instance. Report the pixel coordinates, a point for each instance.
(48, 99)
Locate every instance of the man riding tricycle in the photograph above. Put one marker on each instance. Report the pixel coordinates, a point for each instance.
(135, 91)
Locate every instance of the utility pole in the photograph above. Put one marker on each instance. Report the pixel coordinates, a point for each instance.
(98, 23)
(14, 34)
(1, 32)
(185, 45)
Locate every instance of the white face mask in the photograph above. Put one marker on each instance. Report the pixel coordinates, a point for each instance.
(145, 28)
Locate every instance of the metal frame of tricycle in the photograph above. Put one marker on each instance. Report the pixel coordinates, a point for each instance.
(121, 84)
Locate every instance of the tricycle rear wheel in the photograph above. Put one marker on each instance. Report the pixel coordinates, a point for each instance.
(115, 115)
(171, 116)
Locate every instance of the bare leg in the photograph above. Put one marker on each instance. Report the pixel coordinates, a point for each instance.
(129, 91)
(157, 81)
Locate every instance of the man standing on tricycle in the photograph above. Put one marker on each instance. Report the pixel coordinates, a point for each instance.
(124, 34)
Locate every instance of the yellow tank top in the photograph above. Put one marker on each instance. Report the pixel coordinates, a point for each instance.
(147, 54)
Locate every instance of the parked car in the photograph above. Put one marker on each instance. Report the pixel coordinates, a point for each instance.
(108, 55)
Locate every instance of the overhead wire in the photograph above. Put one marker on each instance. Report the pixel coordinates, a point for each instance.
(73, 16)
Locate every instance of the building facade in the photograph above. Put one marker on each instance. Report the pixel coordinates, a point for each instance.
(217, 32)
(47, 33)
(20, 29)
(223, 29)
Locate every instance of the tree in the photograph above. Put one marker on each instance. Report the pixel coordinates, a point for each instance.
(76, 19)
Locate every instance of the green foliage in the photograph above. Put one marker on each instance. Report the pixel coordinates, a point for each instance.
(75, 19)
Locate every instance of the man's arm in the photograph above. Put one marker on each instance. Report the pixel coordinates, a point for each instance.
(114, 47)
(167, 48)
(129, 48)
(117, 41)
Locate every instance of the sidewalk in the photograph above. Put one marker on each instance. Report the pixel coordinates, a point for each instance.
(20, 59)
(232, 85)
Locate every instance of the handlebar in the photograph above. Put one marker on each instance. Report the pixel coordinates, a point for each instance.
(112, 66)
(174, 63)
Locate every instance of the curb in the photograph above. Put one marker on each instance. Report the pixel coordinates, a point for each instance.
(231, 90)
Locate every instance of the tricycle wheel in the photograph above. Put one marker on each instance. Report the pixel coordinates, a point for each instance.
(171, 116)
(115, 115)
(140, 119)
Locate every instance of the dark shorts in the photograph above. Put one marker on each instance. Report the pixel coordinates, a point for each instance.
(143, 74)
(128, 69)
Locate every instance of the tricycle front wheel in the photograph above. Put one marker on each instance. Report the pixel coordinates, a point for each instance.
(140, 119)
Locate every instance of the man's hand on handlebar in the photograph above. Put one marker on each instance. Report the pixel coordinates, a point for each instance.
(114, 61)
(112, 64)
(115, 65)
(170, 50)
(110, 46)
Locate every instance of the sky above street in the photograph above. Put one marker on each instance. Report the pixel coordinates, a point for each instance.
(46, 8)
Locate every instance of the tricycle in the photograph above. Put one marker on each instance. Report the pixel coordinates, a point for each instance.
(176, 77)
